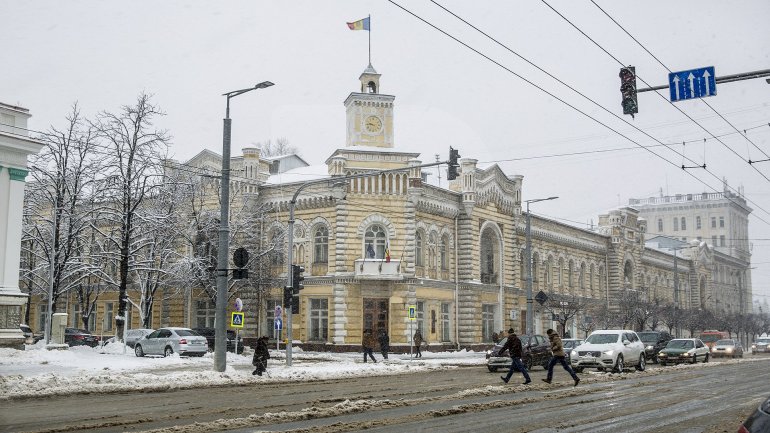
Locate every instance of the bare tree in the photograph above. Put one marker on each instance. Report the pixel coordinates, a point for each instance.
(65, 176)
(564, 308)
(136, 151)
(281, 146)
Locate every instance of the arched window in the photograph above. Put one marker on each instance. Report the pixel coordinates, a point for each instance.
(418, 249)
(547, 280)
(374, 242)
(432, 247)
(321, 245)
(442, 252)
(560, 272)
(582, 277)
(676, 224)
(570, 273)
(489, 256)
(535, 259)
(628, 274)
(684, 223)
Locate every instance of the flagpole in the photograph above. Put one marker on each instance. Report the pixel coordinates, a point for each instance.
(370, 39)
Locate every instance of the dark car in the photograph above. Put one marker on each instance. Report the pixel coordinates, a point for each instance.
(535, 350)
(29, 336)
(569, 344)
(759, 421)
(654, 342)
(210, 332)
(79, 337)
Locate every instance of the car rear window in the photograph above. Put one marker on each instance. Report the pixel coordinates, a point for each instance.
(725, 343)
(680, 344)
(187, 333)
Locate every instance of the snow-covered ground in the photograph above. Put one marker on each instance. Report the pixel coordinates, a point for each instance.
(39, 372)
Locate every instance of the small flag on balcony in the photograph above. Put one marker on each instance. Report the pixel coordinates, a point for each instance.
(387, 254)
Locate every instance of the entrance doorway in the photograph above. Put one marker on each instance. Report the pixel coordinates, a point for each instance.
(376, 314)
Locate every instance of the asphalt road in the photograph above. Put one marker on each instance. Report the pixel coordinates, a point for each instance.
(711, 398)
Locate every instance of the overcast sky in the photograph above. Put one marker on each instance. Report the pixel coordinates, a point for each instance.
(103, 54)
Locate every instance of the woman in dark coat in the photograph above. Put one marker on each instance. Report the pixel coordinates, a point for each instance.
(261, 355)
(417, 340)
(384, 343)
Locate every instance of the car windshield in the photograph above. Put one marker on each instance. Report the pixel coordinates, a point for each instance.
(602, 338)
(764, 340)
(725, 343)
(187, 333)
(571, 344)
(680, 344)
(709, 338)
(648, 337)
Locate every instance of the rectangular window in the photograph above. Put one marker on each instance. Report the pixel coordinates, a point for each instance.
(270, 316)
(713, 222)
(697, 222)
(714, 241)
(721, 222)
(446, 328)
(318, 328)
(109, 316)
(42, 317)
(487, 321)
(676, 224)
(420, 316)
(721, 240)
(204, 313)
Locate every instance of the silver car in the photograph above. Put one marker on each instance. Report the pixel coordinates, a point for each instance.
(166, 341)
(134, 335)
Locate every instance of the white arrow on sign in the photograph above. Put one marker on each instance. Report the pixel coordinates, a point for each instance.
(676, 86)
(706, 76)
(691, 78)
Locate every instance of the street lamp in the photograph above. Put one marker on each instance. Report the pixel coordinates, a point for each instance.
(530, 311)
(220, 337)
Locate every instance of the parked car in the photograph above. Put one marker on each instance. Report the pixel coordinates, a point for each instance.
(727, 348)
(684, 350)
(654, 342)
(762, 345)
(569, 344)
(535, 350)
(609, 349)
(166, 341)
(134, 335)
(759, 421)
(29, 336)
(79, 337)
(209, 333)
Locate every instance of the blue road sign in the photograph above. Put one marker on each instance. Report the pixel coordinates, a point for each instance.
(278, 324)
(695, 83)
(236, 320)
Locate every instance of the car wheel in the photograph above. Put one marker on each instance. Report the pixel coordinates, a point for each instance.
(663, 364)
(654, 359)
(491, 369)
(694, 358)
(138, 351)
(168, 351)
(601, 369)
(619, 365)
(578, 369)
(528, 363)
(706, 359)
(641, 365)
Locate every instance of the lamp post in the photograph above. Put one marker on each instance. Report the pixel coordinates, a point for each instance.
(220, 338)
(530, 312)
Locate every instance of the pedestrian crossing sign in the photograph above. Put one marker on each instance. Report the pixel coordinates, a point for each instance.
(412, 315)
(237, 320)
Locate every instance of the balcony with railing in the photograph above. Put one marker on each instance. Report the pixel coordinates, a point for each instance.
(378, 269)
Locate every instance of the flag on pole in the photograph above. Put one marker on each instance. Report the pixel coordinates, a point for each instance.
(362, 24)
(387, 253)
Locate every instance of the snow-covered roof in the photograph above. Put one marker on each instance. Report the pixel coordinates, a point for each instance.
(300, 174)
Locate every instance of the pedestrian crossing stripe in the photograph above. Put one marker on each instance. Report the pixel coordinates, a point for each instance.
(237, 320)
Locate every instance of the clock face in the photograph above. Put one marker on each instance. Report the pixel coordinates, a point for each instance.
(373, 124)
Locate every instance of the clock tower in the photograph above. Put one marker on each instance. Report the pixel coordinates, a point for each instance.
(369, 114)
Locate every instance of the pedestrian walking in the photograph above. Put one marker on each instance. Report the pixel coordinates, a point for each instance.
(368, 344)
(384, 343)
(261, 355)
(557, 350)
(513, 346)
(495, 337)
(417, 340)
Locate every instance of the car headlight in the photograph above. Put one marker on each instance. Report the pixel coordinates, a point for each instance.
(608, 352)
(753, 346)
(573, 353)
(729, 350)
(649, 347)
(662, 354)
(489, 352)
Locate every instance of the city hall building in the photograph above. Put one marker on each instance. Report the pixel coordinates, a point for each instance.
(375, 244)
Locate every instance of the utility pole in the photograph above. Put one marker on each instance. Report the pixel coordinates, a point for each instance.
(528, 231)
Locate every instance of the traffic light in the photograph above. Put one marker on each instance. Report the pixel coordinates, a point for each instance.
(454, 167)
(287, 294)
(296, 282)
(628, 90)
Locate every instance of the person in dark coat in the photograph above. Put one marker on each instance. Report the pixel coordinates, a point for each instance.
(557, 350)
(384, 343)
(495, 337)
(417, 340)
(261, 355)
(513, 346)
(368, 344)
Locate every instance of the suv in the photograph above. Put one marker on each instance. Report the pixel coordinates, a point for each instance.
(79, 337)
(654, 342)
(535, 350)
(209, 333)
(609, 349)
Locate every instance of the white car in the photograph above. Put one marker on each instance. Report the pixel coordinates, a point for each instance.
(762, 345)
(609, 349)
(166, 341)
